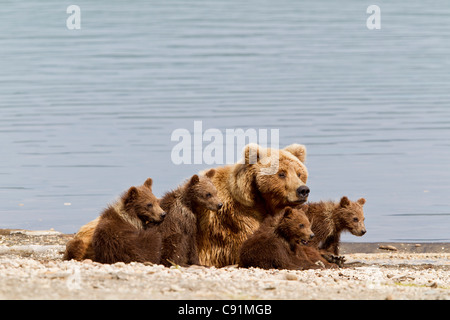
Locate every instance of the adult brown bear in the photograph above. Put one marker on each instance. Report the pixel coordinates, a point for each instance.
(263, 183)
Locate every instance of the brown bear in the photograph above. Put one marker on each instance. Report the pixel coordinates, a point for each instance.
(179, 228)
(125, 231)
(80, 247)
(280, 243)
(265, 181)
(329, 219)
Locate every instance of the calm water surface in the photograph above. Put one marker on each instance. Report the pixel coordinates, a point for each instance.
(84, 114)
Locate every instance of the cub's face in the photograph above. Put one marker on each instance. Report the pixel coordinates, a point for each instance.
(142, 203)
(204, 193)
(296, 227)
(352, 214)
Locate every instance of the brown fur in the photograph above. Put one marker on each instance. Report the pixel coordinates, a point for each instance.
(140, 215)
(125, 230)
(329, 219)
(249, 196)
(280, 243)
(80, 247)
(179, 228)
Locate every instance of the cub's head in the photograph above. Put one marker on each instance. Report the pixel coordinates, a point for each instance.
(202, 193)
(140, 202)
(295, 227)
(351, 215)
(279, 176)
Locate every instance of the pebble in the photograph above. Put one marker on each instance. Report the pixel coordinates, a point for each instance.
(290, 276)
(387, 247)
(73, 279)
(38, 272)
(36, 232)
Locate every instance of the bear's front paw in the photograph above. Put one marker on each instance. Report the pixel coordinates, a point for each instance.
(339, 260)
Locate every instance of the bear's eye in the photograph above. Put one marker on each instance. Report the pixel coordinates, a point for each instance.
(299, 175)
(301, 225)
(282, 175)
(355, 219)
(208, 195)
(149, 205)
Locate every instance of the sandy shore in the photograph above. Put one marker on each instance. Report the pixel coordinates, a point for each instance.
(31, 268)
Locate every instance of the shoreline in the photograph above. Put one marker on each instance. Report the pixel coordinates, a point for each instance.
(411, 247)
(31, 267)
(349, 247)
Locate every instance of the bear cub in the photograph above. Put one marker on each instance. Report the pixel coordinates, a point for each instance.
(329, 219)
(126, 231)
(80, 247)
(280, 243)
(179, 229)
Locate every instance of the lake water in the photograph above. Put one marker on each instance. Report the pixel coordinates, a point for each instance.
(84, 114)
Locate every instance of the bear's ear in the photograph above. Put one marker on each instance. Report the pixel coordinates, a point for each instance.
(287, 212)
(252, 153)
(132, 195)
(210, 173)
(194, 180)
(361, 201)
(304, 208)
(297, 150)
(344, 202)
(148, 183)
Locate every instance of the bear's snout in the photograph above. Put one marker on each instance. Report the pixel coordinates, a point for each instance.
(303, 192)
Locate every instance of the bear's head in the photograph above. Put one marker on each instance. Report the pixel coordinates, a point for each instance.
(202, 193)
(294, 226)
(140, 202)
(278, 176)
(351, 215)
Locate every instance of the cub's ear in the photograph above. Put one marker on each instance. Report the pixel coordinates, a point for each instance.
(344, 202)
(252, 153)
(287, 212)
(361, 201)
(132, 195)
(194, 180)
(297, 150)
(148, 183)
(210, 173)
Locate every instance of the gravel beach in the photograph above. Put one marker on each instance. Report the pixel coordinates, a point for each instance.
(31, 267)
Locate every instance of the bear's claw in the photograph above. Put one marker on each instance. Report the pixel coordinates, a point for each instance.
(339, 260)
